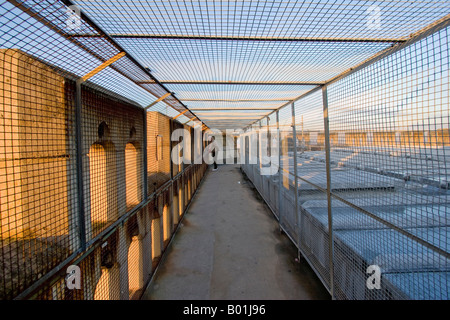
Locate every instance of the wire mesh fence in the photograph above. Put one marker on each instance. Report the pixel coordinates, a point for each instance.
(392, 155)
(158, 151)
(37, 171)
(40, 226)
(366, 156)
(85, 172)
(353, 118)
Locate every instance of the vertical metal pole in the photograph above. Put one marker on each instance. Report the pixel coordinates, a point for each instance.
(257, 167)
(259, 147)
(171, 147)
(328, 170)
(280, 171)
(145, 158)
(79, 163)
(297, 226)
(265, 186)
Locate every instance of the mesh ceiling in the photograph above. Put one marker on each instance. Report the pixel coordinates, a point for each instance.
(230, 62)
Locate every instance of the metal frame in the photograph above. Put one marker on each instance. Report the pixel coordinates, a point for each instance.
(234, 100)
(79, 164)
(234, 38)
(179, 115)
(328, 170)
(397, 44)
(439, 25)
(294, 138)
(94, 243)
(280, 171)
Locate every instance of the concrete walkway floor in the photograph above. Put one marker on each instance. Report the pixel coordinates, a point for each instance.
(229, 247)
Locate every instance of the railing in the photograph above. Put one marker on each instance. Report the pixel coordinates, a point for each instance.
(82, 185)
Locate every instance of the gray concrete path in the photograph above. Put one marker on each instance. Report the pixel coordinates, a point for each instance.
(229, 247)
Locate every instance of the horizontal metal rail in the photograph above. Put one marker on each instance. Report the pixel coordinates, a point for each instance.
(388, 224)
(238, 38)
(250, 83)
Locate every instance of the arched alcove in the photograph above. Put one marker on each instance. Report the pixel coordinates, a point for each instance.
(133, 177)
(156, 239)
(107, 287)
(166, 222)
(135, 266)
(103, 186)
(98, 186)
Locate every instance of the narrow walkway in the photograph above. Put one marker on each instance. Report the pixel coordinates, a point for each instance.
(229, 247)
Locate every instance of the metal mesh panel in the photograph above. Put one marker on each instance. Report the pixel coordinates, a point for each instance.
(137, 252)
(120, 265)
(46, 30)
(264, 61)
(176, 211)
(261, 19)
(104, 271)
(237, 45)
(187, 153)
(167, 217)
(37, 171)
(388, 126)
(312, 181)
(265, 168)
(99, 276)
(72, 155)
(113, 175)
(156, 240)
(287, 195)
(255, 168)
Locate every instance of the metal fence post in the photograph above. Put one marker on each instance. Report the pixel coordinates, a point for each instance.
(79, 165)
(328, 170)
(294, 134)
(145, 158)
(280, 172)
(258, 150)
